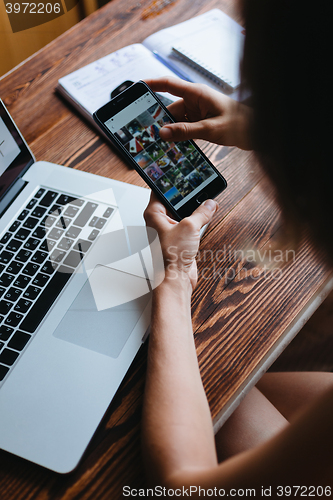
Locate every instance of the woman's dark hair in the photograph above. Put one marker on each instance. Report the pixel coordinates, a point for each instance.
(287, 67)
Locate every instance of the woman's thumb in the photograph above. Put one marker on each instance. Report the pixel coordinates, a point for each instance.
(203, 214)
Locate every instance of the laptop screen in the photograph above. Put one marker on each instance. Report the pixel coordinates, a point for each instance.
(15, 156)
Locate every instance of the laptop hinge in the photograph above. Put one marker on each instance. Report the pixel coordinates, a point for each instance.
(11, 195)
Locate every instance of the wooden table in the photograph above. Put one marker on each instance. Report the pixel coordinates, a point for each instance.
(242, 316)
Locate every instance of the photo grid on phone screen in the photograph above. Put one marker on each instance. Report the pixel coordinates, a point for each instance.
(177, 169)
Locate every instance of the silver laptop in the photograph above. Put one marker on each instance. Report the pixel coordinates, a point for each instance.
(75, 300)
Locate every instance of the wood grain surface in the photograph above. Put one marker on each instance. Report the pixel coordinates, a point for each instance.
(240, 310)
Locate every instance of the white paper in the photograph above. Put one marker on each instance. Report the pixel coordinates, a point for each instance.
(92, 85)
(207, 23)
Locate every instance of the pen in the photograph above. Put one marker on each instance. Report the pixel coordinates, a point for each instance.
(171, 66)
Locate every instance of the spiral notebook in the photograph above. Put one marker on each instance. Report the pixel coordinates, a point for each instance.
(215, 51)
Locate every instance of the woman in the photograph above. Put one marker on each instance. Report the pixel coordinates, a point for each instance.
(281, 435)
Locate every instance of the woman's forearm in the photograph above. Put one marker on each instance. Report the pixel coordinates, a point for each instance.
(177, 426)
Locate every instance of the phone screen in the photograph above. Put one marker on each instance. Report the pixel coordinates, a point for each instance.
(177, 168)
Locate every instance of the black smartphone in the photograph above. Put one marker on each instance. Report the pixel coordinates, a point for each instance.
(178, 172)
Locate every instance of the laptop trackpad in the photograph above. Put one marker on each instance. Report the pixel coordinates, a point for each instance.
(105, 312)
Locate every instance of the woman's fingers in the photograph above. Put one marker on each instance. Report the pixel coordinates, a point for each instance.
(182, 131)
(178, 110)
(156, 215)
(170, 84)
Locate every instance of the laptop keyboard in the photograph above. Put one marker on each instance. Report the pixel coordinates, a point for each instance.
(39, 253)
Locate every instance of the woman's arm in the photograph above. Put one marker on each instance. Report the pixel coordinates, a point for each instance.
(177, 433)
(177, 426)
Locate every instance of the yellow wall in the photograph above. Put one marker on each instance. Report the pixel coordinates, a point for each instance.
(15, 47)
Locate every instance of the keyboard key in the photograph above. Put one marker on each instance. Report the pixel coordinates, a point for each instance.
(55, 234)
(22, 281)
(73, 232)
(108, 212)
(14, 226)
(78, 202)
(14, 245)
(39, 257)
(31, 243)
(13, 319)
(2, 267)
(30, 222)
(31, 292)
(39, 232)
(49, 220)
(14, 267)
(2, 344)
(22, 306)
(71, 211)
(47, 245)
(44, 302)
(31, 203)
(12, 294)
(3, 371)
(2, 291)
(6, 257)
(5, 306)
(38, 212)
(23, 215)
(57, 255)
(48, 267)
(65, 269)
(40, 192)
(31, 269)
(5, 238)
(65, 243)
(40, 280)
(5, 332)
(8, 357)
(6, 279)
(48, 198)
(82, 245)
(23, 255)
(63, 222)
(93, 221)
(19, 340)
(22, 234)
(100, 223)
(87, 211)
(55, 210)
(64, 199)
(73, 259)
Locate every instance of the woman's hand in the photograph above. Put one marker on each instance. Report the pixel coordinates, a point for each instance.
(204, 113)
(179, 240)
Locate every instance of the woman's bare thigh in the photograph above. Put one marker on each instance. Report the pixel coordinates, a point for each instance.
(291, 392)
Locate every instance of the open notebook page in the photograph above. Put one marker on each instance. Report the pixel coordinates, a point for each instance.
(90, 87)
